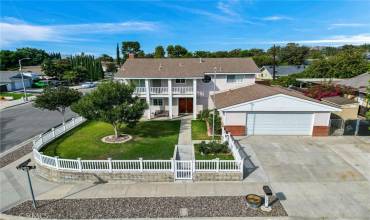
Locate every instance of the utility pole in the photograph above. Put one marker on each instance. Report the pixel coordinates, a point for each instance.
(274, 63)
(20, 72)
(214, 103)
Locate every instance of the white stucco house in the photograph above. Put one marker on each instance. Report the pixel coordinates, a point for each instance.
(175, 86)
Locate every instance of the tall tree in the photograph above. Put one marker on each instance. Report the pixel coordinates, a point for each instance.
(159, 52)
(57, 99)
(130, 47)
(114, 103)
(105, 58)
(176, 51)
(118, 59)
(56, 68)
(293, 54)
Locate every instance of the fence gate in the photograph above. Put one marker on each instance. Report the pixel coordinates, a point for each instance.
(336, 127)
(183, 170)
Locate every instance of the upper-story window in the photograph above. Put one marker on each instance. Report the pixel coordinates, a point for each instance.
(235, 78)
(180, 81)
(139, 82)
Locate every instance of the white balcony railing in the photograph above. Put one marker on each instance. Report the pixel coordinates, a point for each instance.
(140, 90)
(182, 90)
(158, 90)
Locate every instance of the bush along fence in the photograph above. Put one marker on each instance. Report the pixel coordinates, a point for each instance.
(60, 169)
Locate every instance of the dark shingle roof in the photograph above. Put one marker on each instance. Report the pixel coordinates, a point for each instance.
(254, 92)
(184, 67)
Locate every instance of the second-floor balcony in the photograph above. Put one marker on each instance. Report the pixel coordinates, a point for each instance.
(164, 90)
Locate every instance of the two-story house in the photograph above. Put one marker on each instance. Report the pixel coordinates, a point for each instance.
(178, 86)
(173, 87)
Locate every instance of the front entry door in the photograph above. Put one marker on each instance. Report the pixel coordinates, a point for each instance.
(185, 105)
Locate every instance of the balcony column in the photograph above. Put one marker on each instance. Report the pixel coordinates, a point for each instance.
(147, 96)
(195, 98)
(170, 98)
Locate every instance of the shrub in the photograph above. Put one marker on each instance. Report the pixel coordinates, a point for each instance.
(213, 147)
(203, 115)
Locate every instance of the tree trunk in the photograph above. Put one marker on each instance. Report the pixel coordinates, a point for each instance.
(115, 131)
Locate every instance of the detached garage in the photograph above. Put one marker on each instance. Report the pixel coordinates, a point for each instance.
(266, 110)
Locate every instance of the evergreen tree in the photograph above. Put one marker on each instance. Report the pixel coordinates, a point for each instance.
(118, 59)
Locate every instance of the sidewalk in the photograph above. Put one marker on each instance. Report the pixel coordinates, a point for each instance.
(8, 104)
(185, 147)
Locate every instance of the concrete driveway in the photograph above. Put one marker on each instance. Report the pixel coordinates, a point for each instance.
(320, 177)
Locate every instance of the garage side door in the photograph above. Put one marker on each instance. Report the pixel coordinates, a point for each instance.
(279, 124)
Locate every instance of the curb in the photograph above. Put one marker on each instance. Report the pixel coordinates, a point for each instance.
(16, 147)
(23, 103)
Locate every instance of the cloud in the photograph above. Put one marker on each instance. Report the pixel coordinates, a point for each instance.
(347, 25)
(276, 18)
(336, 40)
(226, 7)
(14, 30)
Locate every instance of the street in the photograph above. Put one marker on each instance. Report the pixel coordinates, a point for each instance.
(22, 122)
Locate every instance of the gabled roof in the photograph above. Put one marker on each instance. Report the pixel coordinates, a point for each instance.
(254, 92)
(184, 67)
(359, 82)
(285, 70)
(338, 100)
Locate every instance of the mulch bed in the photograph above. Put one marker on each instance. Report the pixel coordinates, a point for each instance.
(151, 207)
(15, 155)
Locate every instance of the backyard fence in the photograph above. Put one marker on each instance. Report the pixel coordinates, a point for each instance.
(181, 169)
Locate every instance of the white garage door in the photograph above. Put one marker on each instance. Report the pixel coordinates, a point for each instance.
(279, 124)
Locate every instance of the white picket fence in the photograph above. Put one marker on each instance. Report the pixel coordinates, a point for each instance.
(234, 148)
(140, 165)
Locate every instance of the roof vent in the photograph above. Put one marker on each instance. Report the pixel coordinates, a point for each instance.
(200, 60)
(180, 64)
(160, 66)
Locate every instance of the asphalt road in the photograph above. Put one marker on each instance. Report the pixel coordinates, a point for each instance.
(20, 123)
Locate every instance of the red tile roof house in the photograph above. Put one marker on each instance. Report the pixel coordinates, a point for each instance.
(175, 86)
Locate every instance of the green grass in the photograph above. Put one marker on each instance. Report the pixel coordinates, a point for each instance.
(199, 130)
(199, 156)
(13, 94)
(151, 140)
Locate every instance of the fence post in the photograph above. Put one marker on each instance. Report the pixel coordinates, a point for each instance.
(193, 165)
(79, 164)
(217, 164)
(242, 165)
(74, 121)
(64, 126)
(357, 127)
(57, 162)
(53, 131)
(173, 164)
(141, 164)
(42, 141)
(110, 164)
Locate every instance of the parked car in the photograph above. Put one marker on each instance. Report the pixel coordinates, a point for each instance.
(86, 85)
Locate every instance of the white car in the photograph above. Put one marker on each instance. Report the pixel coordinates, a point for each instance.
(88, 85)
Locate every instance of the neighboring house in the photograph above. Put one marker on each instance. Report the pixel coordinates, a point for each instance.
(178, 86)
(360, 84)
(12, 80)
(349, 107)
(266, 110)
(267, 71)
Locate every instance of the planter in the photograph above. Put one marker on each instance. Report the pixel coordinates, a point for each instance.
(254, 201)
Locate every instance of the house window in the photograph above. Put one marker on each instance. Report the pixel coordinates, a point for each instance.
(158, 102)
(139, 82)
(180, 81)
(234, 78)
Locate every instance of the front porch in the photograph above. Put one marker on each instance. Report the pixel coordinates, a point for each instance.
(169, 108)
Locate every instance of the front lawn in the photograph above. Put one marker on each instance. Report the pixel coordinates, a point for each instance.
(151, 140)
(12, 94)
(221, 156)
(199, 130)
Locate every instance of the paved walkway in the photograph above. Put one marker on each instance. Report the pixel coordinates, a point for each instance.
(185, 147)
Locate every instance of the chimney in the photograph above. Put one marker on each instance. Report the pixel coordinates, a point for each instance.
(131, 56)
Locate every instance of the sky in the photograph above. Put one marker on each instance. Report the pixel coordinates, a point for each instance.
(96, 26)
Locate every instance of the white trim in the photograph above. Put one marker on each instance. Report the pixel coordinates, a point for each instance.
(230, 73)
(330, 108)
(194, 77)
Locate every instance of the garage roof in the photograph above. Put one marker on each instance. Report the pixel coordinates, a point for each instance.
(338, 100)
(254, 92)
